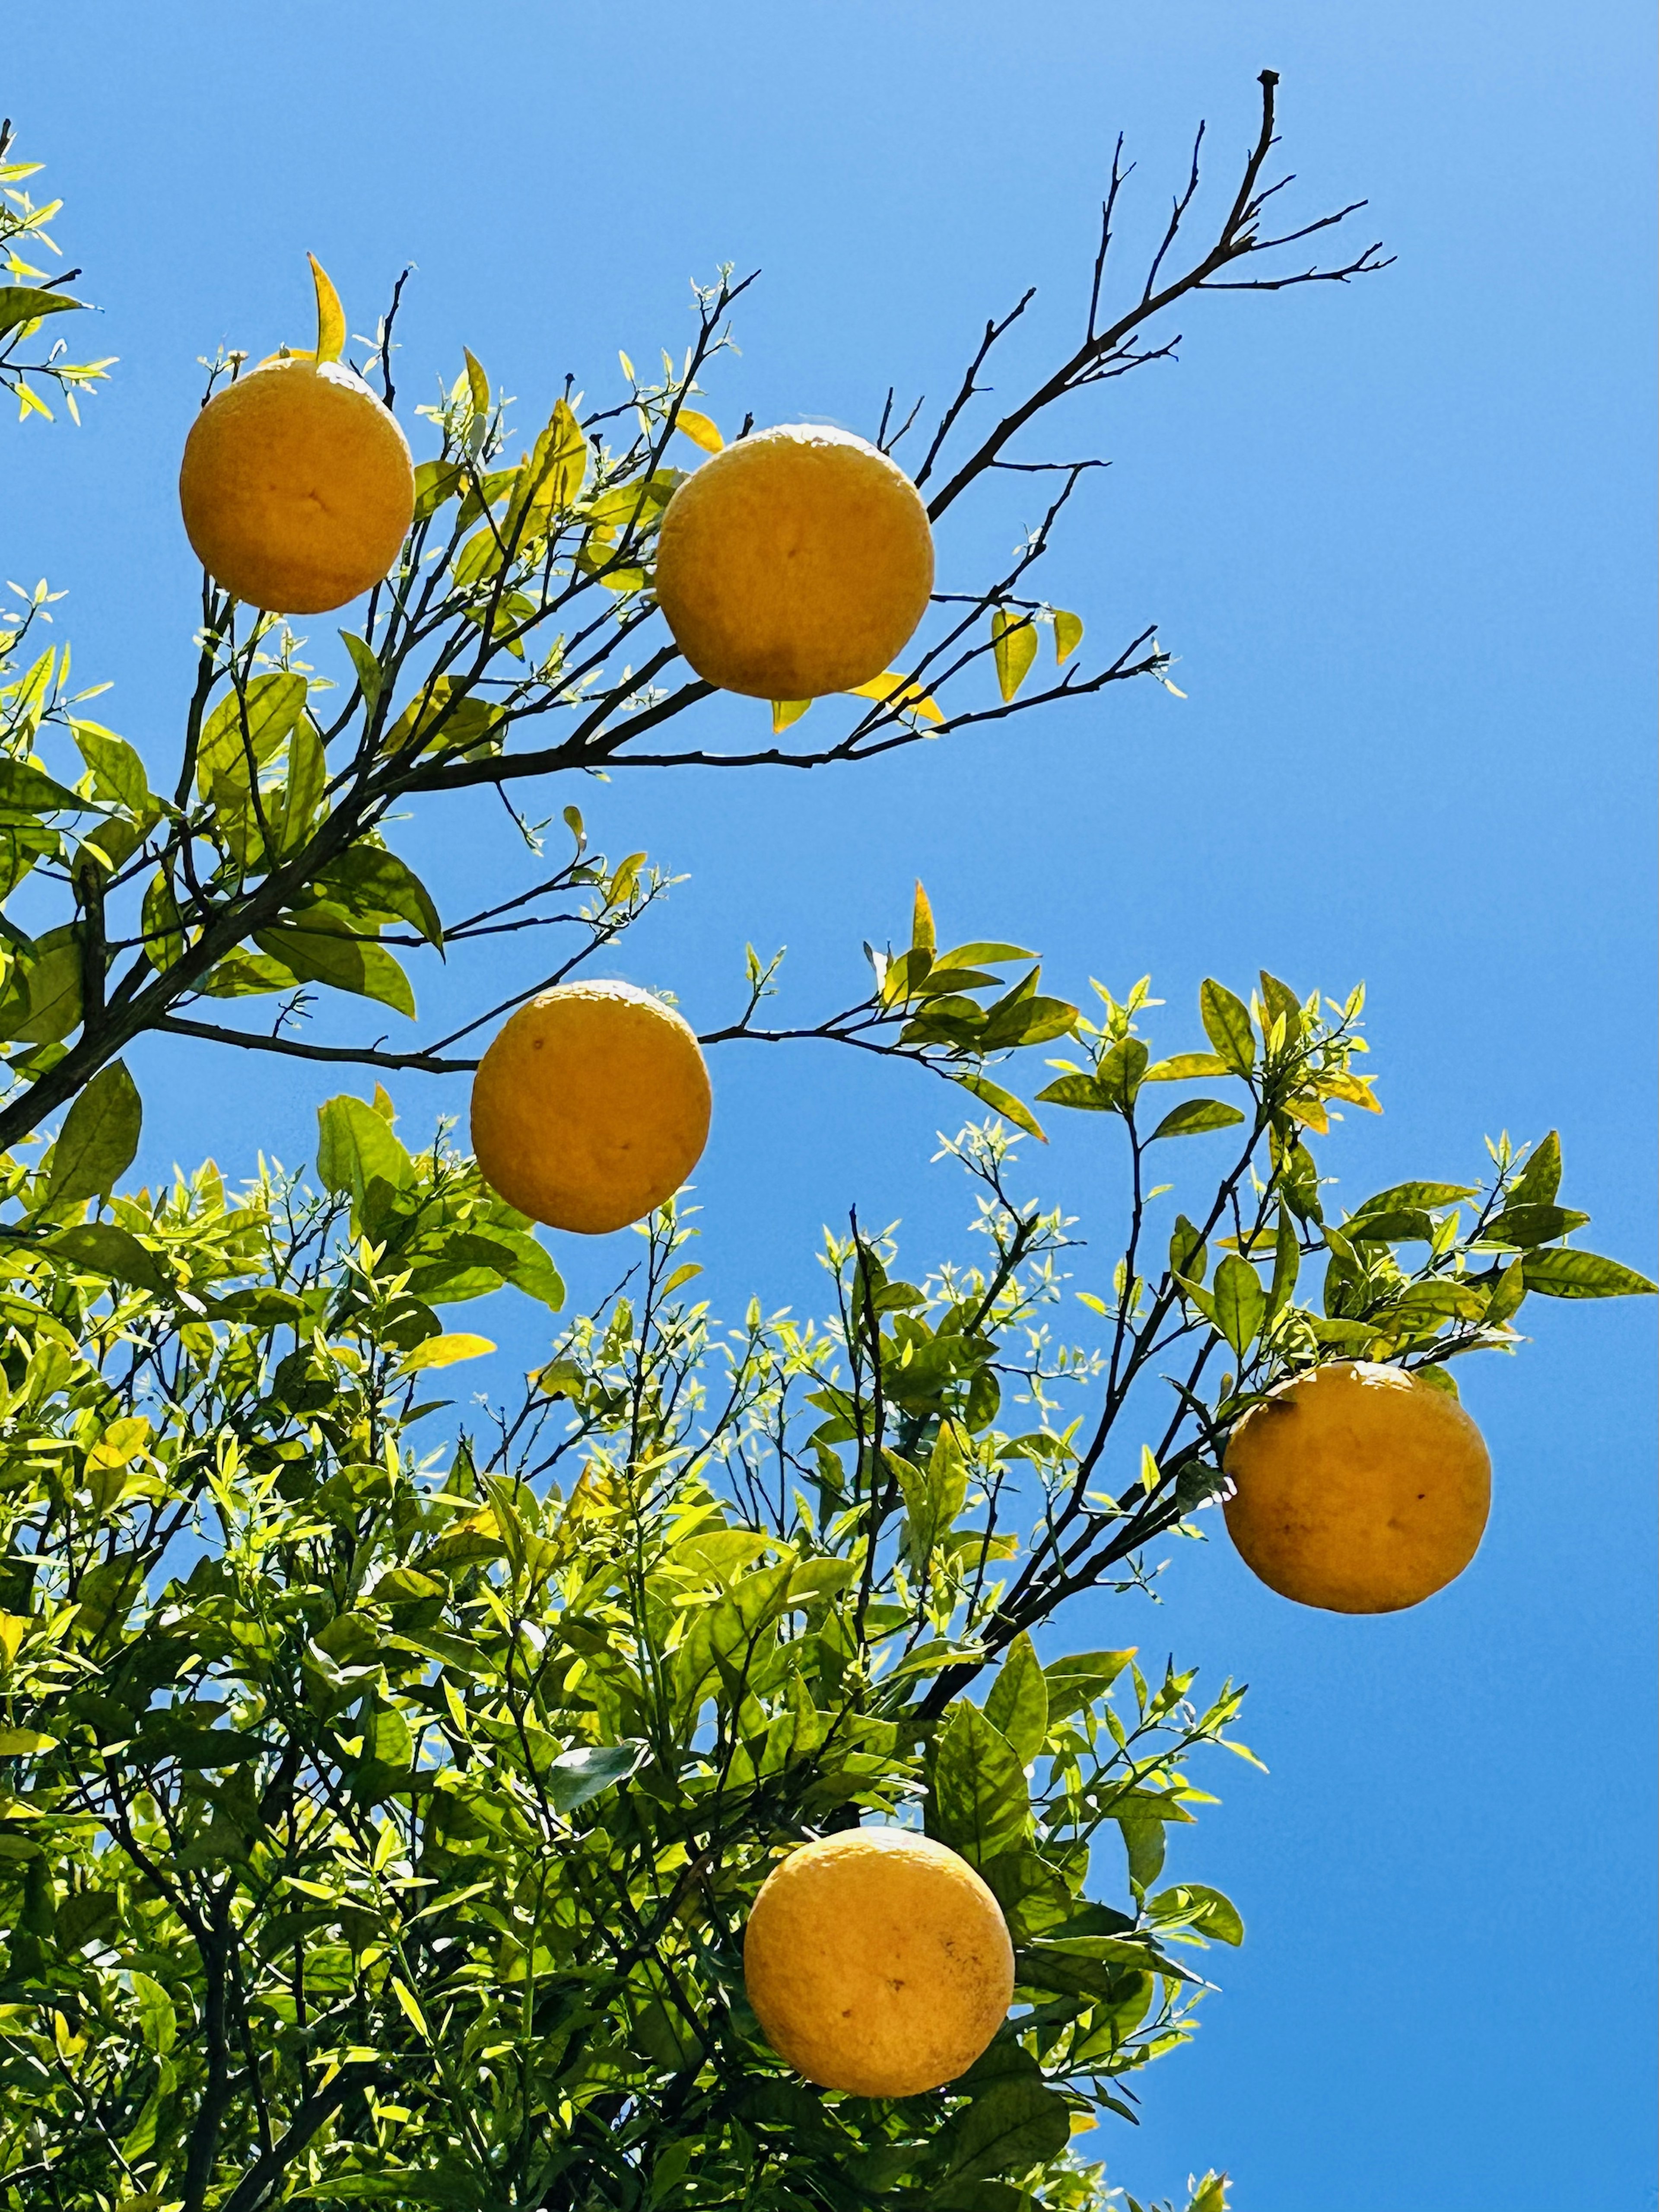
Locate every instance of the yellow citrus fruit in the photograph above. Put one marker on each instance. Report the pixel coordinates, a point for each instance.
(1358, 1488)
(795, 563)
(878, 1962)
(297, 487)
(591, 1107)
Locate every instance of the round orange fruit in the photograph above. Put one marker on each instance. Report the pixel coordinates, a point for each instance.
(877, 1961)
(591, 1107)
(297, 487)
(1358, 1488)
(794, 563)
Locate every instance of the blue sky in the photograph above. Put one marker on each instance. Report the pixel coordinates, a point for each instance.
(1400, 536)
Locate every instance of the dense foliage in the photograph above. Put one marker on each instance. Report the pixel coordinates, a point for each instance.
(379, 1819)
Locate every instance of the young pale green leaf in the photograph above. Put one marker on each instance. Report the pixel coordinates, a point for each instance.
(1014, 644)
(251, 723)
(1228, 1026)
(1194, 1115)
(99, 1140)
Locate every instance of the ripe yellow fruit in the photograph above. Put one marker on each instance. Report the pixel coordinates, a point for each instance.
(878, 1962)
(297, 487)
(795, 563)
(1358, 1488)
(591, 1107)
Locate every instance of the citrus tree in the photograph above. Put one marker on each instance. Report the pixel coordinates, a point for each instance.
(379, 1816)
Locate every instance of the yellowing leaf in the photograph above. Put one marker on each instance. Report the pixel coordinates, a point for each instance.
(700, 430)
(16, 1743)
(1068, 635)
(921, 925)
(784, 711)
(1014, 642)
(1354, 1088)
(331, 315)
(477, 383)
(444, 1351)
(1004, 1103)
(551, 479)
(900, 692)
(410, 2004)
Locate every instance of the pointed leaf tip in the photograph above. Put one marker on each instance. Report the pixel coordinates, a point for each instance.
(331, 315)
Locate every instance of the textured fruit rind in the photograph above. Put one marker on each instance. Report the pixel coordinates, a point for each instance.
(591, 1107)
(795, 563)
(878, 1962)
(296, 487)
(1358, 1488)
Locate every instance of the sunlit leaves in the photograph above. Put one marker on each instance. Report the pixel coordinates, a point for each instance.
(1068, 635)
(331, 315)
(700, 430)
(99, 1139)
(1013, 648)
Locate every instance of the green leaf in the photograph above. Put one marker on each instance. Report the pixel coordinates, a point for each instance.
(255, 723)
(102, 1248)
(1228, 1026)
(27, 303)
(1004, 1103)
(1574, 1274)
(1194, 1115)
(356, 1148)
(99, 1140)
(1188, 1255)
(1014, 645)
(1077, 1091)
(292, 810)
(978, 1802)
(248, 975)
(1068, 635)
(1019, 1702)
(1080, 1678)
(576, 1776)
(1121, 1071)
(1015, 2121)
(367, 663)
(118, 771)
(444, 1351)
(1411, 1197)
(374, 885)
(1240, 1304)
(1539, 1181)
(933, 1499)
(1287, 1264)
(1398, 1225)
(321, 947)
(1281, 1003)
(158, 2021)
(22, 1743)
(27, 790)
(1185, 1066)
(1522, 1225)
(1195, 1904)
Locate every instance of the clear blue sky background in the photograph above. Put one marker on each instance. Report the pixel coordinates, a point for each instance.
(1400, 536)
